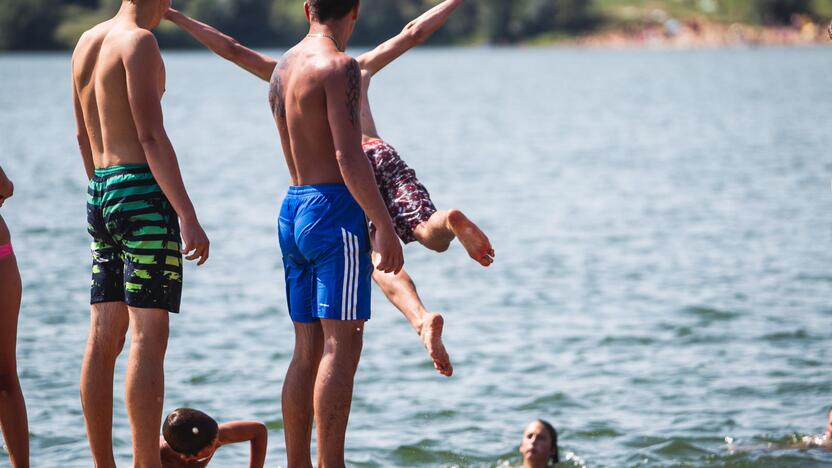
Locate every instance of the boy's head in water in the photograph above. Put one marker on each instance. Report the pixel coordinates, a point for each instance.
(829, 423)
(191, 433)
(539, 445)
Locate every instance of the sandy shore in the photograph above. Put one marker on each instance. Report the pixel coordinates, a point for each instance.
(698, 34)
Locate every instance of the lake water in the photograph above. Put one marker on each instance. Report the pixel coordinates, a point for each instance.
(662, 225)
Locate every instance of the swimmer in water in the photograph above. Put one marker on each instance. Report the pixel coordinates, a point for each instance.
(190, 438)
(539, 445)
(413, 213)
(825, 440)
(13, 420)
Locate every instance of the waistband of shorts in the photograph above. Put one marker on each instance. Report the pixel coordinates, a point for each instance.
(6, 250)
(374, 142)
(323, 189)
(122, 169)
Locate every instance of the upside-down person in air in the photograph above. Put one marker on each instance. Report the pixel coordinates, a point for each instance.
(414, 214)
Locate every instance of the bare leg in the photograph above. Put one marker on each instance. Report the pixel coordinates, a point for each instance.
(108, 325)
(145, 383)
(298, 389)
(13, 419)
(343, 341)
(437, 233)
(401, 292)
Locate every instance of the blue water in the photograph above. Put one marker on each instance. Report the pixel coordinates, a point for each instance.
(662, 226)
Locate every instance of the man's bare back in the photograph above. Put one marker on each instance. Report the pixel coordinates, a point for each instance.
(299, 103)
(100, 81)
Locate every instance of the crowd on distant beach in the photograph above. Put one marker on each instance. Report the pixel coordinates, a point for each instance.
(662, 31)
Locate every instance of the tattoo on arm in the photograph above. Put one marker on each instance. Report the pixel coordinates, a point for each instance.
(353, 92)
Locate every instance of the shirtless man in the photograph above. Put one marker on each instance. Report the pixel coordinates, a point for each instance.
(406, 198)
(315, 95)
(136, 205)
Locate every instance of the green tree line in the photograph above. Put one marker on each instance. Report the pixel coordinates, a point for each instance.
(57, 24)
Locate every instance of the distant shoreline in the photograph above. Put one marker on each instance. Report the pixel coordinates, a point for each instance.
(696, 34)
(670, 35)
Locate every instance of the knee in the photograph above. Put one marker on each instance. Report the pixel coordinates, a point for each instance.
(9, 383)
(441, 246)
(107, 344)
(345, 354)
(146, 340)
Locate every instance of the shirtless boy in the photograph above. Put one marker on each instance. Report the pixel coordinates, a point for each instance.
(315, 95)
(190, 438)
(406, 198)
(137, 203)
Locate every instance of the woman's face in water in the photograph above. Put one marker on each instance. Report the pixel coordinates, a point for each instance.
(536, 446)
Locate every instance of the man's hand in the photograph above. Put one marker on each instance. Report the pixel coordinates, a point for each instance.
(195, 243)
(391, 257)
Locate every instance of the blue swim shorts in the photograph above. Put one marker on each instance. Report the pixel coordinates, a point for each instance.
(326, 254)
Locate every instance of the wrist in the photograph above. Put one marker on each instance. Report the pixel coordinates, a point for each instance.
(188, 216)
(174, 16)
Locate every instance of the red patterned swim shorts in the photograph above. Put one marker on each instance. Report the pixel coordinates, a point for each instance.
(407, 200)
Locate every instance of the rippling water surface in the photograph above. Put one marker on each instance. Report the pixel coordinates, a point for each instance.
(662, 226)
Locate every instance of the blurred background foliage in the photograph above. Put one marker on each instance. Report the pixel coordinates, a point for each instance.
(57, 24)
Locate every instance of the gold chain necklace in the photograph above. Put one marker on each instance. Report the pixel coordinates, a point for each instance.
(330, 37)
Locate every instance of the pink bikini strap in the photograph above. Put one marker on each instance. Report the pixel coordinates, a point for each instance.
(6, 250)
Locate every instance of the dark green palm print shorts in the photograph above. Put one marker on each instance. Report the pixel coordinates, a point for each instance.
(136, 255)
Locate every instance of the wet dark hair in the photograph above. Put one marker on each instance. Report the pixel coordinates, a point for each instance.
(325, 10)
(188, 431)
(829, 411)
(553, 434)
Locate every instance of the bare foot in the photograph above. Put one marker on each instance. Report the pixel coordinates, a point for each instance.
(431, 334)
(471, 237)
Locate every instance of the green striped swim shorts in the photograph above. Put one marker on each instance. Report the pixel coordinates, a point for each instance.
(136, 255)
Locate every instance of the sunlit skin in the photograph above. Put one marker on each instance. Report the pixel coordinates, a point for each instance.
(828, 435)
(438, 231)
(118, 79)
(536, 447)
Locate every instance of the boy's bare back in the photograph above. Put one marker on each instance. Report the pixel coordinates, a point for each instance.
(100, 80)
(305, 112)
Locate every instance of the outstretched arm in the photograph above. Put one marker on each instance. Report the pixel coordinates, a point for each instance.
(226, 47)
(415, 33)
(247, 431)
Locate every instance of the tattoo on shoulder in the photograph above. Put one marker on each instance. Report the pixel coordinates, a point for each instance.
(353, 92)
(277, 99)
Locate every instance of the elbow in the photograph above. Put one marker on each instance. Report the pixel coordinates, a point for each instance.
(148, 139)
(342, 158)
(416, 33)
(232, 50)
(151, 141)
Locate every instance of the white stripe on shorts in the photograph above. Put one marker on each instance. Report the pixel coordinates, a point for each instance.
(346, 276)
(356, 265)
